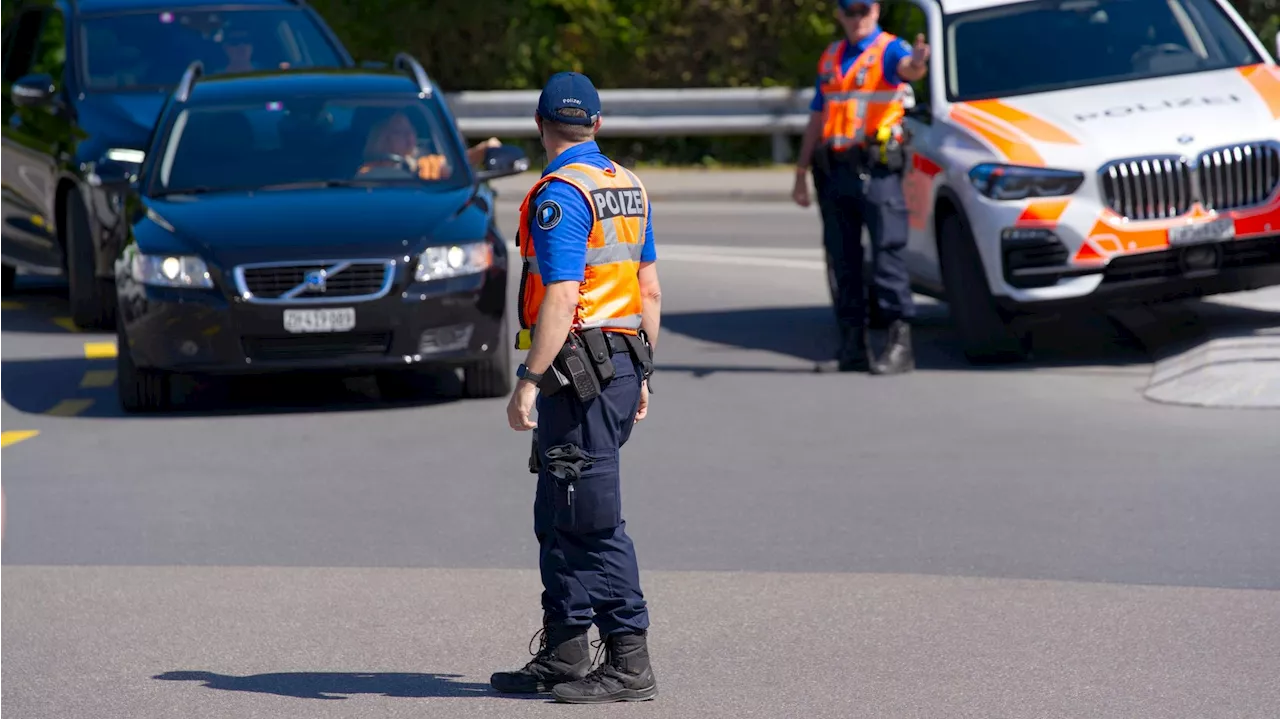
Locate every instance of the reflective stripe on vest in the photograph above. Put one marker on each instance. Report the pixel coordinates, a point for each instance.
(860, 102)
(609, 296)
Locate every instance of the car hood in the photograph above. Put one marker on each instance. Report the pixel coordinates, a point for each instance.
(1081, 128)
(331, 223)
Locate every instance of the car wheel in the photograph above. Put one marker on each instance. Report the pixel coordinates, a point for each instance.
(10, 279)
(492, 377)
(140, 390)
(986, 332)
(92, 299)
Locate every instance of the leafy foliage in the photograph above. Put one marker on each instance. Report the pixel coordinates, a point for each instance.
(500, 44)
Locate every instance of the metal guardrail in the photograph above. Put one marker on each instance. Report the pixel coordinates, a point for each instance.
(780, 112)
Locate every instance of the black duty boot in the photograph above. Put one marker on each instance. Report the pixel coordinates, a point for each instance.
(898, 355)
(852, 355)
(625, 675)
(564, 655)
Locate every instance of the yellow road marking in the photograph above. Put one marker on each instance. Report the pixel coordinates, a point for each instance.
(10, 305)
(16, 436)
(98, 378)
(70, 407)
(99, 350)
(66, 324)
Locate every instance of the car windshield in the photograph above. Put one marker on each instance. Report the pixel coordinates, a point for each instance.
(150, 51)
(304, 141)
(1055, 45)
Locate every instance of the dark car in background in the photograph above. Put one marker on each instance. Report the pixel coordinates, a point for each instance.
(313, 220)
(84, 81)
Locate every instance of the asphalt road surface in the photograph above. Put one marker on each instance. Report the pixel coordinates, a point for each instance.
(1036, 542)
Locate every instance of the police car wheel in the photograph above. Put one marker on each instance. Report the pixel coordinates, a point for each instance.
(92, 299)
(987, 334)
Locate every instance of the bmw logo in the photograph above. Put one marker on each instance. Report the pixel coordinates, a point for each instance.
(1185, 139)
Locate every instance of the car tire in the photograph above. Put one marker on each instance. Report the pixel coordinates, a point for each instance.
(10, 280)
(139, 390)
(492, 377)
(987, 332)
(92, 299)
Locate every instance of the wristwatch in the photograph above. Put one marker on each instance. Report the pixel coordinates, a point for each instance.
(523, 372)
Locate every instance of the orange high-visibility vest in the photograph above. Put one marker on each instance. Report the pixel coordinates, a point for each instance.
(860, 102)
(609, 297)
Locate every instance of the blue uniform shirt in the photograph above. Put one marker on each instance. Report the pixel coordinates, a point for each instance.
(560, 232)
(893, 55)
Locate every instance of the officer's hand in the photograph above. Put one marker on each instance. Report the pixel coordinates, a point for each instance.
(920, 52)
(644, 401)
(800, 193)
(521, 405)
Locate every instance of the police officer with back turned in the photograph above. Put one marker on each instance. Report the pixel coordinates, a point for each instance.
(589, 299)
(855, 142)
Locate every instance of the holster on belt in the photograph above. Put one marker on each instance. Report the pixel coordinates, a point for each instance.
(572, 367)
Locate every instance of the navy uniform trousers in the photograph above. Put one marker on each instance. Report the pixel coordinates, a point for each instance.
(588, 563)
(847, 205)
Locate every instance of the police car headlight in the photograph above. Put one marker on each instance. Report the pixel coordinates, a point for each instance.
(1015, 182)
(437, 263)
(170, 271)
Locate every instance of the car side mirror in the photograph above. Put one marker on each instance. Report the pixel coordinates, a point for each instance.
(33, 90)
(501, 162)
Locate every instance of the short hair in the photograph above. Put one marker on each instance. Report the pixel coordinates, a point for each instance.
(570, 132)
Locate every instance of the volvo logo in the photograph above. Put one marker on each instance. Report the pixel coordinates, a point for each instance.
(315, 280)
(1185, 139)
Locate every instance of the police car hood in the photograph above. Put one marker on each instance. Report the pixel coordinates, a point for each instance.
(1081, 128)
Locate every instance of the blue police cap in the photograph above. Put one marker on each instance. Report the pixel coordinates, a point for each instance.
(569, 90)
(846, 4)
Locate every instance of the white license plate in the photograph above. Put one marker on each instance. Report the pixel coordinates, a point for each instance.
(338, 319)
(1216, 231)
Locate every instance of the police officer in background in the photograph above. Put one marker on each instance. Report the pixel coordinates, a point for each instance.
(589, 291)
(854, 141)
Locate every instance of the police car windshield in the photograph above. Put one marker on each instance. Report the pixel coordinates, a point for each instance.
(150, 50)
(306, 141)
(1047, 45)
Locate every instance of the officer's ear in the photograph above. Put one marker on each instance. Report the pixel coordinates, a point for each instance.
(595, 128)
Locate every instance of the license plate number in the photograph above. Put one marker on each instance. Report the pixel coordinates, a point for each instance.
(1216, 231)
(341, 319)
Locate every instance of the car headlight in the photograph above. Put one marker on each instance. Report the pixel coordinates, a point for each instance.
(453, 260)
(1015, 182)
(171, 271)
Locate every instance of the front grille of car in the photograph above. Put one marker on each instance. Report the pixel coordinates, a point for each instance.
(1240, 176)
(348, 280)
(1148, 188)
(1160, 187)
(319, 346)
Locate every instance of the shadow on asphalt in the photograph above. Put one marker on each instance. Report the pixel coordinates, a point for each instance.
(34, 305)
(36, 386)
(810, 333)
(327, 685)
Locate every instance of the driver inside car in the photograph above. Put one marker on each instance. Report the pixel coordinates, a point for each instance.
(394, 142)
